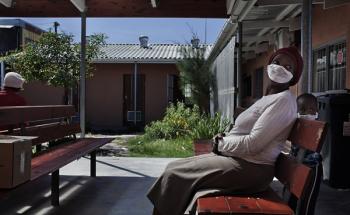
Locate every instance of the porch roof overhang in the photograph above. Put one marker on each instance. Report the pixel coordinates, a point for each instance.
(114, 8)
(260, 19)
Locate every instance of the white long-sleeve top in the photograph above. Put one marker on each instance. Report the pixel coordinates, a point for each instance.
(260, 132)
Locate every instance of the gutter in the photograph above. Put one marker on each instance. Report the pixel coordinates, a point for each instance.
(226, 34)
(239, 11)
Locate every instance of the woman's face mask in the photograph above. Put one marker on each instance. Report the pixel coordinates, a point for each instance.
(308, 116)
(279, 74)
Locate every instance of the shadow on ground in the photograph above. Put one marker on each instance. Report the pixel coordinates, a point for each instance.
(82, 195)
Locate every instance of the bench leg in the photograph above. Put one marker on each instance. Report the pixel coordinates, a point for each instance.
(93, 164)
(55, 185)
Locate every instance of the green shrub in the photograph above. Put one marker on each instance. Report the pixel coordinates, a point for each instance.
(177, 122)
(209, 126)
(182, 121)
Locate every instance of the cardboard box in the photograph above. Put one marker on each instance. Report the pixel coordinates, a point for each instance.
(15, 160)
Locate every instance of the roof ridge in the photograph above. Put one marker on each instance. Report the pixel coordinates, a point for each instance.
(149, 44)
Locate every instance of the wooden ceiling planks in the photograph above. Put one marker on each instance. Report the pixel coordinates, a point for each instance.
(118, 8)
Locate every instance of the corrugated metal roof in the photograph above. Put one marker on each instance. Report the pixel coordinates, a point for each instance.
(20, 23)
(129, 53)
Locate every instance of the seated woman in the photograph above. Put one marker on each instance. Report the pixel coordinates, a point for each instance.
(243, 160)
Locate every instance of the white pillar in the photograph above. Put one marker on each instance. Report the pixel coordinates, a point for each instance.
(2, 73)
(306, 46)
(82, 72)
(239, 65)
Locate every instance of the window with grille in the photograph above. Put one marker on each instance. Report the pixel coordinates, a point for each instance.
(337, 66)
(329, 68)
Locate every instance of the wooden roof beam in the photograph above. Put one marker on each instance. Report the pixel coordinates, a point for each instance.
(259, 24)
(80, 5)
(120, 8)
(334, 3)
(6, 3)
(155, 3)
(263, 47)
(252, 39)
(267, 3)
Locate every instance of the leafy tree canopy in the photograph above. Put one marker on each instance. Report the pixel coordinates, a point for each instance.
(55, 59)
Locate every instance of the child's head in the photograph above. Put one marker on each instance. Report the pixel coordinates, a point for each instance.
(307, 106)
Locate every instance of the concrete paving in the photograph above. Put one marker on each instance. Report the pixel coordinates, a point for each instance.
(119, 189)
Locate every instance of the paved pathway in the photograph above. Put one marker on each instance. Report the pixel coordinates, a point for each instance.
(119, 189)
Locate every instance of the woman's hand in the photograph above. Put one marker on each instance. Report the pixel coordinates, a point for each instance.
(218, 137)
(216, 140)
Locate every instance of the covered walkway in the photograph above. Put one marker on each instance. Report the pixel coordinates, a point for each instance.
(120, 189)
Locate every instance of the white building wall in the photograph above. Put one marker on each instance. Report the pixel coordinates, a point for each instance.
(224, 68)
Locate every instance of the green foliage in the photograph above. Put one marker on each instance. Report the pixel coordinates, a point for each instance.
(55, 59)
(177, 122)
(207, 127)
(143, 147)
(182, 121)
(173, 136)
(195, 72)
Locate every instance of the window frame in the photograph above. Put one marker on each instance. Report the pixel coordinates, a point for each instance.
(327, 46)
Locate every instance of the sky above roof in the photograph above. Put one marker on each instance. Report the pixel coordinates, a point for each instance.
(128, 30)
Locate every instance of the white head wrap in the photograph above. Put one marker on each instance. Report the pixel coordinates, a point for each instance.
(13, 79)
(279, 74)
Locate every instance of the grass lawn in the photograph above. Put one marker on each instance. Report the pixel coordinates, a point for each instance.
(141, 147)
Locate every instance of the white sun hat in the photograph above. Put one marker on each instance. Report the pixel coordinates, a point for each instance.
(279, 74)
(14, 80)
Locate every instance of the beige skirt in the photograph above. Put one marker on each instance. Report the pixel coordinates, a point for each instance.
(206, 174)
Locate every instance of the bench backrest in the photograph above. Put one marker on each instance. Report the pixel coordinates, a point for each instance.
(290, 170)
(308, 134)
(46, 122)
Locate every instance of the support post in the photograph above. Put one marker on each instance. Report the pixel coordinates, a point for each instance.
(239, 64)
(55, 188)
(82, 72)
(306, 46)
(135, 93)
(2, 75)
(55, 26)
(93, 164)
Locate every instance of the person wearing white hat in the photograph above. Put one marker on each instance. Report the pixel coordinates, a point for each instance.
(13, 83)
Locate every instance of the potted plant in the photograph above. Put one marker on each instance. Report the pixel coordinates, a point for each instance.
(204, 131)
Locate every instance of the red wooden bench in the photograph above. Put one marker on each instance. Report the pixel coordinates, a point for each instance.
(297, 180)
(47, 124)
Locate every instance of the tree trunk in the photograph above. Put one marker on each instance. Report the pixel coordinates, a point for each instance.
(67, 97)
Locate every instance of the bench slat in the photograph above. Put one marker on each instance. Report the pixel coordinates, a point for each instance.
(308, 134)
(208, 205)
(267, 202)
(48, 132)
(15, 115)
(63, 155)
